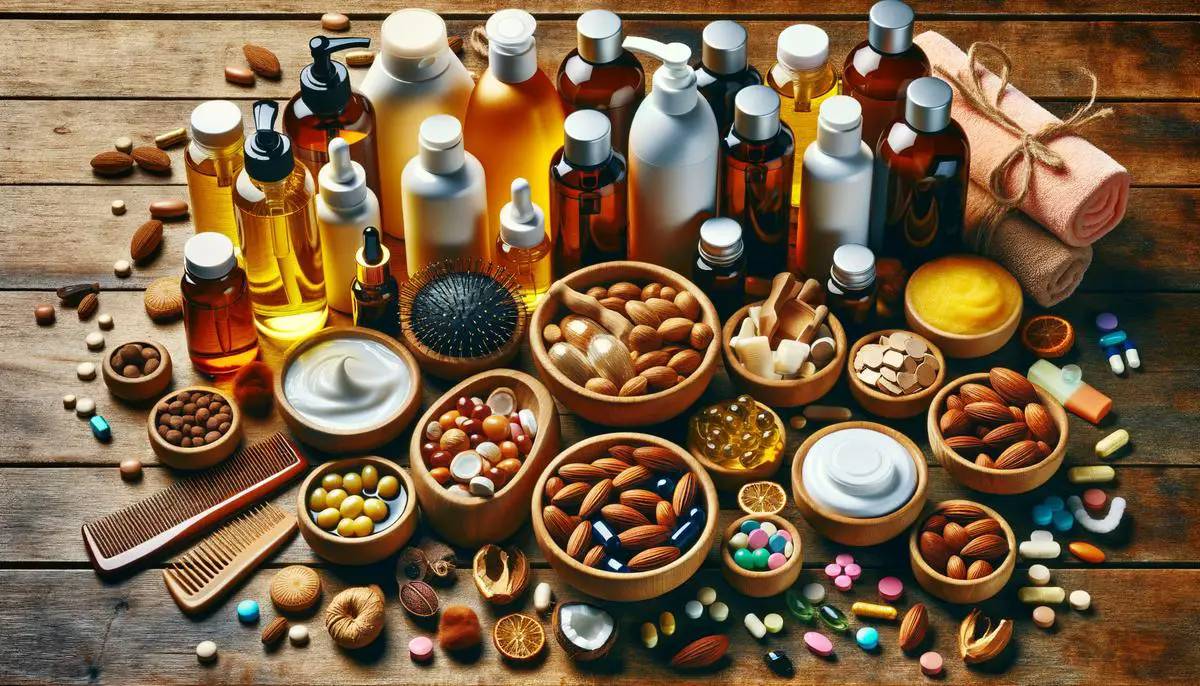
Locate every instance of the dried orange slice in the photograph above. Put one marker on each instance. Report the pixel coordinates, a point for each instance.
(762, 497)
(1048, 336)
(518, 637)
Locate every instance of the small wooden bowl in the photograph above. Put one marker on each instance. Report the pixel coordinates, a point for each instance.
(471, 521)
(788, 392)
(770, 582)
(961, 591)
(859, 531)
(958, 345)
(143, 387)
(205, 455)
(886, 405)
(357, 551)
(608, 410)
(727, 479)
(988, 479)
(634, 586)
(342, 441)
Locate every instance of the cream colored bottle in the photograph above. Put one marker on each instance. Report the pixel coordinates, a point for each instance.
(345, 206)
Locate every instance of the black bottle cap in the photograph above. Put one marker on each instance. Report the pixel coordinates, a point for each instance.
(268, 152)
(372, 258)
(372, 246)
(325, 84)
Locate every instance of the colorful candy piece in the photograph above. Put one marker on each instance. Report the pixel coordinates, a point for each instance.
(247, 611)
(867, 638)
(833, 570)
(758, 539)
(818, 643)
(777, 543)
(749, 526)
(890, 588)
(776, 560)
(761, 558)
(744, 559)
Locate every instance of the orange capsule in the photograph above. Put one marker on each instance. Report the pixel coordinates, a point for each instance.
(1086, 552)
(508, 450)
(495, 428)
(440, 475)
(446, 421)
(509, 466)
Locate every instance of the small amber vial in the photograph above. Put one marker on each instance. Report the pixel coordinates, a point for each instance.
(523, 247)
(720, 269)
(851, 290)
(217, 316)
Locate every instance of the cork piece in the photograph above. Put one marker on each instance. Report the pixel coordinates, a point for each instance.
(899, 364)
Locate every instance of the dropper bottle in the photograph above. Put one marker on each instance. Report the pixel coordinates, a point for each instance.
(376, 295)
(523, 247)
(345, 207)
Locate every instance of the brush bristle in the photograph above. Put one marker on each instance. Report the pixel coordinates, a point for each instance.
(462, 308)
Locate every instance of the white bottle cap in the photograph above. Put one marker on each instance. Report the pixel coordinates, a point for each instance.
(414, 46)
(674, 82)
(209, 255)
(803, 47)
(441, 144)
(522, 223)
(216, 124)
(342, 181)
(512, 56)
(839, 126)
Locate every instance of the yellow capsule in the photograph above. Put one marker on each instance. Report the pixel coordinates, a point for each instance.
(316, 499)
(345, 528)
(352, 506)
(370, 477)
(666, 623)
(1041, 595)
(328, 518)
(335, 497)
(827, 413)
(389, 487)
(873, 610)
(353, 484)
(1110, 444)
(1091, 474)
(331, 481)
(376, 509)
(649, 635)
(363, 526)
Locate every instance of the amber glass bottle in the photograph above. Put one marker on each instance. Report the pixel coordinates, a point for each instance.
(720, 267)
(587, 195)
(601, 75)
(878, 70)
(217, 317)
(724, 70)
(213, 160)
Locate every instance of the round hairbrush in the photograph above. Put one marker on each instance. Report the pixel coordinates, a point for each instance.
(460, 317)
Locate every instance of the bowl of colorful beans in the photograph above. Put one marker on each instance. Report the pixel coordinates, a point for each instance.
(761, 555)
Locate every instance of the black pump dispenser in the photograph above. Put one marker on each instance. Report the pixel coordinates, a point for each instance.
(268, 152)
(325, 84)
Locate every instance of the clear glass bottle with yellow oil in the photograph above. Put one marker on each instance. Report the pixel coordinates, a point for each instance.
(515, 119)
(277, 228)
(213, 160)
(523, 247)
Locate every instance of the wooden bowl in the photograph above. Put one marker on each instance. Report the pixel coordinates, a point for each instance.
(205, 455)
(634, 586)
(859, 531)
(143, 387)
(471, 521)
(961, 591)
(961, 345)
(357, 551)
(340, 441)
(770, 582)
(886, 405)
(988, 479)
(608, 410)
(788, 392)
(727, 479)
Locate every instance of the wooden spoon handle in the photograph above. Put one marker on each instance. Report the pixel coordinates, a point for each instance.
(810, 331)
(768, 317)
(810, 292)
(585, 305)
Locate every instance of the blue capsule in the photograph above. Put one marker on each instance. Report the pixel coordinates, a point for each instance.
(1112, 338)
(697, 515)
(665, 488)
(603, 535)
(686, 534)
(100, 428)
(614, 565)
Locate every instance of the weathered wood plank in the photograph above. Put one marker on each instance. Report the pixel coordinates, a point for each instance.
(139, 58)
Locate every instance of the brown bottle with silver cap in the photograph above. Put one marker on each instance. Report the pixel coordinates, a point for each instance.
(720, 270)
(601, 75)
(878, 70)
(724, 69)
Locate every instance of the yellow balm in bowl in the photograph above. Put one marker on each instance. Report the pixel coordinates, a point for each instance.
(964, 294)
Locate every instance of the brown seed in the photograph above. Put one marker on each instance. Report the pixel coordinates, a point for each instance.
(987, 525)
(88, 306)
(597, 497)
(168, 209)
(913, 627)
(152, 159)
(956, 568)
(594, 557)
(241, 76)
(262, 61)
(986, 547)
(979, 569)
(955, 536)
(146, 241)
(685, 494)
(577, 544)
(635, 386)
(275, 631)
(934, 550)
(935, 523)
(643, 537)
(954, 423)
(622, 516)
(44, 314)
(701, 336)
(653, 558)
(419, 599)
(111, 163)
(334, 21)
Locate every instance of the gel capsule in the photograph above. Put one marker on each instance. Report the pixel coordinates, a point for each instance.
(800, 608)
(833, 618)
(603, 535)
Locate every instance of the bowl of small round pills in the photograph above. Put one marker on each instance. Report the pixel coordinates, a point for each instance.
(358, 510)
(761, 555)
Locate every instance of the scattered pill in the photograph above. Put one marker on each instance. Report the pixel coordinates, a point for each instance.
(666, 623)
(1106, 321)
(707, 595)
(890, 588)
(833, 570)
(359, 58)
(1080, 600)
(798, 422)
(122, 269)
(86, 371)
(874, 611)
(117, 207)
(242, 76)
(85, 407)
(693, 609)
(1110, 444)
(827, 413)
(171, 138)
(543, 597)
(1115, 362)
(100, 429)
(1042, 516)
(1063, 520)
(1112, 338)
(131, 470)
(754, 625)
(1132, 356)
(1039, 550)
(335, 21)
(1094, 500)
(719, 611)
(773, 622)
(649, 635)
(1041, 595)
(813, 593)
(1054, 502)
(853, 571)
(206, 652)
(420, 649)
(1043, 616)
(818, 643)
(168, 209)
(1103, 525)
(68, 402)
(124, 144)
(298, 634)
(105, 321)
(1041, 535)
(931, 664)
(780, 663)
(867, 638)
(843, 583)
(247, 611)
(95, 341)
(44, 314)
(1039, 575)
(1086, 552)
(844, 559)
(1091, 474)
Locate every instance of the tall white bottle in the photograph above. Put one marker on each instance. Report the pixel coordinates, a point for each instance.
(445, 198)
(414, 77)
(345, 206)
(836, 205)
(673, 155)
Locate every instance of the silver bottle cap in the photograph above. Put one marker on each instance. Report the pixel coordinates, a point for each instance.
(890, 27)
(853, 266)
(927, 104)
(587, 139)
(598, 35)
(209, 255)
(756, 113)
(721, 240)
(724, 47)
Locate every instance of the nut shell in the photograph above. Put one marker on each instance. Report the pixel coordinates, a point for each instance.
(419, 599)
(295, 588)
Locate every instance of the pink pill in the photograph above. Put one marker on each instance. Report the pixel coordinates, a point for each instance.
(776, 560)
(758, 539)
(420, 649)
(833, 570)
(784, 533)
(844, 559)
(853, 571)
(1094, 500)
(843, 582)
(890, 588)
(818, 643)
(931, 664)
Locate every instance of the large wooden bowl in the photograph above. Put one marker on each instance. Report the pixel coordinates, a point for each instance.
(859, 531)
(988, 479)
(787, 392)
(887, 405)
(727, 479)
(634, 586)
(958, 345)
(143, 387)
(765, 583)
(357, 551)
(607, 410)
(341, 441)
(470, 521)
(961, 591)
(206, 455)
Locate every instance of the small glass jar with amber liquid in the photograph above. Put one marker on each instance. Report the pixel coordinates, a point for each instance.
(851, 291)
(217, 317)
(720, 270)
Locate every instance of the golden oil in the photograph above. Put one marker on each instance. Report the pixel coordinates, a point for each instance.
(213, 160)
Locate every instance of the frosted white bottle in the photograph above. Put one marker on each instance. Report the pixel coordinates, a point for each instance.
(345, 206)
(836, 205)
(445, 198)
(414, 77)
(673, 155)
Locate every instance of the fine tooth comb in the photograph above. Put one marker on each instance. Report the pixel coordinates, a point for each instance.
(203, 575)
(190, 506)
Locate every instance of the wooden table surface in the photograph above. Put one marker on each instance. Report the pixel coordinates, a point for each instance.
(76, 75)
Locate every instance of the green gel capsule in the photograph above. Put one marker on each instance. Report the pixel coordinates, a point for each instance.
(800, 608)
(833, 618)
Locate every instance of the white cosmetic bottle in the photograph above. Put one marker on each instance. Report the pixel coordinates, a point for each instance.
(345, 206)
(414, 77)
(836, 205)
(673, 155)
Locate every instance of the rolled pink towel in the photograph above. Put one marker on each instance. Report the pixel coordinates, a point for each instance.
(1080, 203)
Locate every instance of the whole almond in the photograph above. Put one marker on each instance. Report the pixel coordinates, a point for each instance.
(688, 305)
(1006, 434)
(275, 631)
(984, 460)
(622, 516)
(955, 536)
(654, 358)
(634, 387)
(598, 292)
(643, 537)
(659, 459)
(954, 423)
(1018, 455)
(676, 329)
(934, 550)
(979, 569)
(654, 557)
(987, 525)
(622, 452)
(685, 362)
(640, 313)
(978, 393)
(559, 524)
(964, 444)
(241, 76)
(913, 627)
(582, 471)
(1012, 386)
(111, 163)
(597, 498)
(954, 402)
(988, 412)
(664, 515)
(151, 159)
(685, 494)
(577, 544)
(626, 290)
(935, 523)
(601, 386)
(651, 290)
(986, 547)
(700, 336)
(614, 303)
(1044, 449)
(611, 466)
(88, 306)
(668, 293)
(262, 61)
(701, 653)
(570, 497)
(1017, 413)
(665, 309)
(641, 500)
(643, 339)
(963, 513)
(659, 378)
(594, 557)
(1041, 423)
(168, 209)
(956, 568)
(632, 476)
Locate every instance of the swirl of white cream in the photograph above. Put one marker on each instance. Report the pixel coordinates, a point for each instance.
(348, 384)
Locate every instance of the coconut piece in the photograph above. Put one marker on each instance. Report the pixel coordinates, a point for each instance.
(500, 574)
(502, 401)
(585, 631)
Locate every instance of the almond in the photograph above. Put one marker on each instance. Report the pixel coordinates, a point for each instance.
(643, 537)
(262, 61)
(978, 393)
(615, 304)
(665, 309)
(146, 240)
(688, 304)
(654, 358)
(979, 569)
(622, 516)
(641, 500)
(956, 568)
(626, 290)
(655, 557)
(275, 631)
(651, 290)
(954, 423)
(913, 627)
(151, 159)
(641, 314)
(611, 466)
(601, 386)
(88, 306)
(676, 329)
(1044, 449)
(962, 513)
(685, 494)
(577, 544)
(569, 497)
(700, 336)
(1006, 434)
(1017, 413)
(1018, 455)
(111, 163)
(987, 525)
(594, 556)
(634, 387)
(955, 536)
(935, 523)
(1038, 418)
(701, 653)
(644, 339)
(984, 460)
(1012, 386)
(622, 452)
(582, 471)
(934, 550)
(596, 498)
(632, 476)
(986, 547)
(597, 292)
(659, 378)
(988, 412)
(664, 515)
(659, 459)
(964, 444)
(559, 524)
(953, 402)
(685, 362)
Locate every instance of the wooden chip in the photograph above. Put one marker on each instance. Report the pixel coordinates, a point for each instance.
(909, 365)
(915, 347)
(888, 373)
(859, 363)
(927, 372)
(872, 355)
(908, 382)
(893, 359)
(868, 376)
(890, 387)
(898, 341)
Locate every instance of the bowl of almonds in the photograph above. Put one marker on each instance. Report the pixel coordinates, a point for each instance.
(194, 428)
(997, 432)
(137, 370)
(962, 552)
(625, 516)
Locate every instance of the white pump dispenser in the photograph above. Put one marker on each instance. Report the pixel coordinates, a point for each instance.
(345, 207)
(673, 155)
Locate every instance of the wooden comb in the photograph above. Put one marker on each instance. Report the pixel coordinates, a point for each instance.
(204, 574)
(190, 506)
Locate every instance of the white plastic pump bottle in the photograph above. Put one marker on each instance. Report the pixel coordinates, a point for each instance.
(673, 156)
(345, 206)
